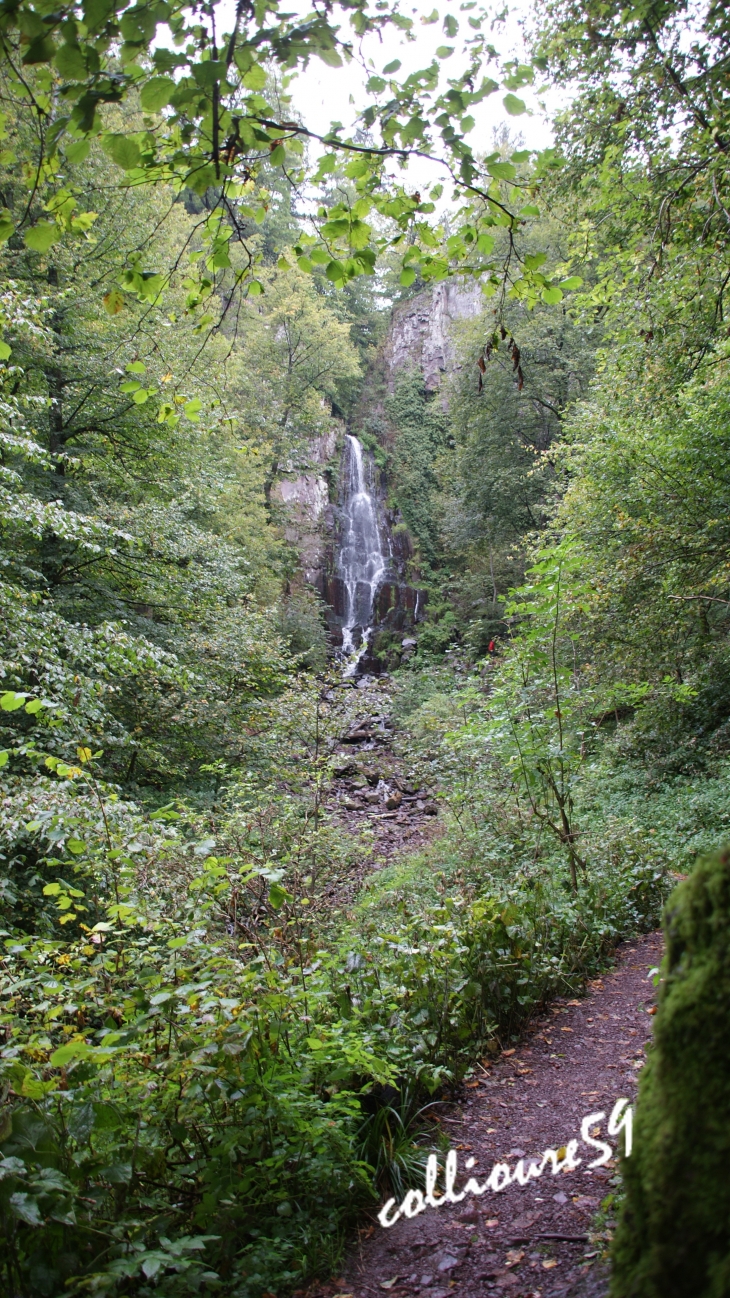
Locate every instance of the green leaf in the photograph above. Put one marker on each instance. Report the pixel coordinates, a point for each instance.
(106, 1116)
(155, 93)
(77, 151)
(122, 150)
(25, 1208)
(255, 288)
(34, 706)
(113, 301)
(33, 1087)
(40, 237)
(4, 351)
(41, 50)
(66, 1054)
(331, 58)
(136, 367)
(552, 295)
(502, 170)
(10, 702)
(574, 281)
(407, 277)
(391, 67)
(451, 26)
(444, 51)
(533, 260)
(335, 272)
(117, 1173)
(7, 225)
(515, 107)
(278, 895)
(192, 408)
(70, 63)
(75, 846)
(255, 78)
(4, 755)
(140, 396)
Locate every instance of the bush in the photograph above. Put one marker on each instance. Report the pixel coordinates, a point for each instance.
(184, 1111)
(673, 1238)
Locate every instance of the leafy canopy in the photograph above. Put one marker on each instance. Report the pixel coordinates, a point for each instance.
(213, 113)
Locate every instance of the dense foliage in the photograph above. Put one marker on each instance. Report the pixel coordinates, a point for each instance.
(194, 1068)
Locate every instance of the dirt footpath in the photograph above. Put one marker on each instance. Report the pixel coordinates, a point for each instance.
(540, 1239)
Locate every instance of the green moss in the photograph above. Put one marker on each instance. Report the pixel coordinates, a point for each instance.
(420, 427)
(673, 1239)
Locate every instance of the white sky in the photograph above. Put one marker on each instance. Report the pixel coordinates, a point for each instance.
(323, 94)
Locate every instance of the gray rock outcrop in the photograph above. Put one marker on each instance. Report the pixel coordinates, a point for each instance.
(420, 333)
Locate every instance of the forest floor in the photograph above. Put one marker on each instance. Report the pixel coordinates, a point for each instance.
(547, 1239)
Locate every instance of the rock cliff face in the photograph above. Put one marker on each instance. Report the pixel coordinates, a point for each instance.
(420, 333)
(302, 501)
(309, 500)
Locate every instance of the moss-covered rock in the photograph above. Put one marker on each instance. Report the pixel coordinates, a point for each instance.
(673, 1237)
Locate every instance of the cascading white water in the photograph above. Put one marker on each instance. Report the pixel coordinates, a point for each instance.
(361, 561)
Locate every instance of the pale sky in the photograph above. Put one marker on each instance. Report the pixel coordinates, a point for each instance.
(323, 94)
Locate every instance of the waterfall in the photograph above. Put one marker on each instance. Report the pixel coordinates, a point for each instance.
(361, 562)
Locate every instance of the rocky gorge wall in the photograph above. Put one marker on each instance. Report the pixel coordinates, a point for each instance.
(421, 331)
(308, 500)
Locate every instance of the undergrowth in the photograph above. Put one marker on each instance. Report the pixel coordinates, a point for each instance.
(184, 1111)
(206, 1073)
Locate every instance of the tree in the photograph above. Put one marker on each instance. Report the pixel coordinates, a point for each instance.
(294, 358)
(211, 119)
(647, 149)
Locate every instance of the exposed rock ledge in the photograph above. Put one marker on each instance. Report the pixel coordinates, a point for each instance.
(303, 500)
(420, 330)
